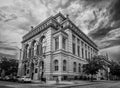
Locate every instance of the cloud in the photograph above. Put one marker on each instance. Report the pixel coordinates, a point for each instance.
(115, 10)
(113, 52)
(8, 48)
(99, 19)
(100, 33)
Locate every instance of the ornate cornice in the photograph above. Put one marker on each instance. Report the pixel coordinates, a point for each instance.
(37, 30)
(51, 22)
(69, 24)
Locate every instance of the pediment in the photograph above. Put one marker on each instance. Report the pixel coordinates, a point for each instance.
(59, 17)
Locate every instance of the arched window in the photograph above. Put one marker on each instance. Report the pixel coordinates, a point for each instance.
(43, 44)
(64, 65)
(56, 65)
(35, 49)
(74, 66)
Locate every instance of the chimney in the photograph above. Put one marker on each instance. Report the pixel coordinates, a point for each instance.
(67, 16)
(32, 27)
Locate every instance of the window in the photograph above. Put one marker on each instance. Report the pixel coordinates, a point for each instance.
(82, 49)
(74, 66)
(91, 55)
(56, 65)
(78, 47)
(56, 43)
(35, 49)
(82, 52)
(86, 53)
(73, 48)
(36, 70)
(79, 67)
(41, 64)
(27, 51)
(64, 65)
(43, 45)
(73, 44)
(64, 43)
(27, 71)
(73, 38)
(82, 44)
(78, 41)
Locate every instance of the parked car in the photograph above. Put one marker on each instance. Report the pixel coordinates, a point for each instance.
(0, 78)
(24, 79)
(7, 78)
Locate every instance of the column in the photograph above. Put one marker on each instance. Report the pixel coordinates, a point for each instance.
(60, 67)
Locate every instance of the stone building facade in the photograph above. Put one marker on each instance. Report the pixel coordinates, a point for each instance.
(56, 48)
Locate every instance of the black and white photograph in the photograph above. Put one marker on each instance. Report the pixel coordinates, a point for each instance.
(59, 43)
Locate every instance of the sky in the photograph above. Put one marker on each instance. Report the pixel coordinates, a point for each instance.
(99, 19)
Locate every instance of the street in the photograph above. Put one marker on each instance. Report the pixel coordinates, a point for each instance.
(106, 84)
(102, 85)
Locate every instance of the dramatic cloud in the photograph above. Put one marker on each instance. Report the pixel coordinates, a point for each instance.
(99, 19)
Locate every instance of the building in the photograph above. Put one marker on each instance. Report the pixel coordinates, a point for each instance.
(105, 72)
(56, 48)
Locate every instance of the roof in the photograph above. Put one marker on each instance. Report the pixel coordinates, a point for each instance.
(51, 21)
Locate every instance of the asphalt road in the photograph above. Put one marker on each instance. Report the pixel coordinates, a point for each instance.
(105, 84)
(102, 85)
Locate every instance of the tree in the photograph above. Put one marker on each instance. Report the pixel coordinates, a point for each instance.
(115, 69)
(93, 66)
(8, 66)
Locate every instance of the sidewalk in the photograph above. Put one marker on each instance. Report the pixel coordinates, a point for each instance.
(67, 84)
(62, 84)
(53, 82)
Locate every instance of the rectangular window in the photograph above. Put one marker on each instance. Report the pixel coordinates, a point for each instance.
(82, 53)
(56, 68)
(74, 67)
(64, 43)
(36, 70)
(73, 38)
(28, 71)
(78, 41)
(86, 53)
(82, 44)
(89, 55)
(79, 67)
(78, 47)
(56, 43)
(64, 68)
(73, 46)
